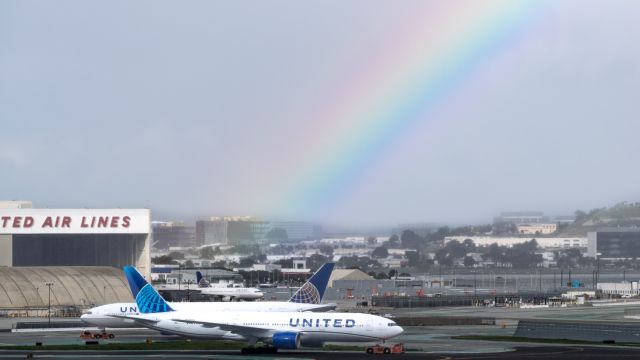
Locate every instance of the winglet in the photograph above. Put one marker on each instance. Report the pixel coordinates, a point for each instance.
(313, 290)
(147, 298)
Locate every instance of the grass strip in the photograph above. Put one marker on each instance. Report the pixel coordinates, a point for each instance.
(536, 340)
(163, 345)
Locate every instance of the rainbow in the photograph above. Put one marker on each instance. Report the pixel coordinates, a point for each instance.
(428, 59)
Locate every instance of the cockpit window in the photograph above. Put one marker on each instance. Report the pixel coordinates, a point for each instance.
(392, 324)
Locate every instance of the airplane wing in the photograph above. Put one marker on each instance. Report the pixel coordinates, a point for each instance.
(248, 331)
(140, 320)
(322, 308)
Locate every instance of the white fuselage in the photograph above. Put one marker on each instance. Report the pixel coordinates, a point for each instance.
(103, 316)
(236, 293)
(314, 328)
(239, 293)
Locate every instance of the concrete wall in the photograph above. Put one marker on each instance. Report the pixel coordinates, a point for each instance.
(6, 250)
(592, 247)
(597, 331)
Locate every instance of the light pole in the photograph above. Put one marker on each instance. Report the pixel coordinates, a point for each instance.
(49, 284)
(188, 291)
(104, 293)
(475, 284)
(597, 270)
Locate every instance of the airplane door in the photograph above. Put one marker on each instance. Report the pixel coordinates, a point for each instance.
(369, 325)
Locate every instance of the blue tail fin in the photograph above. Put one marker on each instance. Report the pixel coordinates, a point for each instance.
(202, 282)
(147, 298)
(313, 290)
(135, 280)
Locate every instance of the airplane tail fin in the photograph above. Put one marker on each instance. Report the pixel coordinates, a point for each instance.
(135, 280)
(202, 282)
(147, 298)
(313, 290)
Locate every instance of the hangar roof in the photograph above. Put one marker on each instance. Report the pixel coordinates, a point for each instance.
(83, 286)
(348, 274)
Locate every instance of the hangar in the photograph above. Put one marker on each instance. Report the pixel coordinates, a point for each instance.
(81, 286)
(80, 251)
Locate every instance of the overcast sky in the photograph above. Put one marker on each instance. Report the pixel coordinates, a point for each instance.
(205, 108)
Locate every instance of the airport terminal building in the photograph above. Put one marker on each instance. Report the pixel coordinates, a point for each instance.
(71, 242)
(615, 243)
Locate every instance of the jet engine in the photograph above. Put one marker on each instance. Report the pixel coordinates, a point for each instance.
(286, 340)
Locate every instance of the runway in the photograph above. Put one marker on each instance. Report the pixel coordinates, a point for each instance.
(546, 352)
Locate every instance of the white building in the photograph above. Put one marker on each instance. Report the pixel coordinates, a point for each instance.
(543, 242)
(534, 229)
(621, 288)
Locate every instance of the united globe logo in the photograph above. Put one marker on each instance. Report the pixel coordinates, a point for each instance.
(149, 301)
(307, 294)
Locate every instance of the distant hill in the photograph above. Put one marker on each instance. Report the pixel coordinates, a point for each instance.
(620, 215)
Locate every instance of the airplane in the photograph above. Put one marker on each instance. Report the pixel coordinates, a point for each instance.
(307, 298)
(222, 293)
(277, 330)
(227, 293)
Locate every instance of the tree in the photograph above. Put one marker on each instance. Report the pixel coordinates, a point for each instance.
(207, 253)
(523, 255)
(413, 258)
(455, 249)
(326, 249)
(443, 258)
(164, 260)
(380, 252)
(393, 273)
(494, 253)
(580, 215)
(410, 240)
(469, 245)
(221, 264)
(357, 262)
(371, 240)
(393, 241)
(469, 262)
(381, 276)
(248, 261)
(176, 255)
(571, 258)
(439, 235)
(189, 264)
(315, 261)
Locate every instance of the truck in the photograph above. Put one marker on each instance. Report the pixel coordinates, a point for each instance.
(100, 335)
(380, 349)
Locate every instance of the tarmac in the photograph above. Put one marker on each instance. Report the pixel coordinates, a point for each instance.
(546, 352)
(424, 342)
